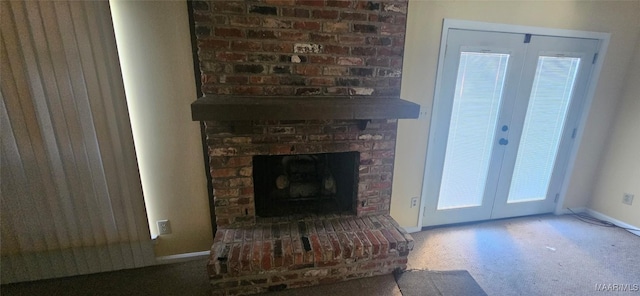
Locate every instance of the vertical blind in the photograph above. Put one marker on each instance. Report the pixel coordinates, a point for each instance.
(71, 196)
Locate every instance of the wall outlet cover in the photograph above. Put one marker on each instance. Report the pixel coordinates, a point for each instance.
(627, 198)
(164, 227)
(414, 202)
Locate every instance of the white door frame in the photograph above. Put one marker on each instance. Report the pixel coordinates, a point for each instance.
(493, 27)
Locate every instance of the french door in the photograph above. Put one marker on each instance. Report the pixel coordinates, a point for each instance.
(503, 123)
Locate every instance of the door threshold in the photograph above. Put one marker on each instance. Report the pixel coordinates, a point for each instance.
(478, 222)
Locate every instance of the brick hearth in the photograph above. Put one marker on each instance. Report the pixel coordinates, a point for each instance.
(288, 252)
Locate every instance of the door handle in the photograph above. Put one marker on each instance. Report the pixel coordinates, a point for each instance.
(503, 141)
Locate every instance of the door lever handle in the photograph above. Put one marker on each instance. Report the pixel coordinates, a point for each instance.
(503, 141)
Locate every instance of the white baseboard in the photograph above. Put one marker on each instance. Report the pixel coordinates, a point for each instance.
(412, 229)
(567, 211)
(617, 222)
(182, 257)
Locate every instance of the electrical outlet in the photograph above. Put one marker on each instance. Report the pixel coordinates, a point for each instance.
(414, 202)
(163, 227)
(627, 198)
(423, 112)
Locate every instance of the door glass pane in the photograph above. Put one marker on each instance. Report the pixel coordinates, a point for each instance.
(543, 126)
(476, 104)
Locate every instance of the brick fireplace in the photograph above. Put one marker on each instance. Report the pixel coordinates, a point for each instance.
(253, 253)
(232, 156)
(301, 108)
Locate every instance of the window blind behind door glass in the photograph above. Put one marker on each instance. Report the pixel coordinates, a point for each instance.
(476, 103)
(546, 113)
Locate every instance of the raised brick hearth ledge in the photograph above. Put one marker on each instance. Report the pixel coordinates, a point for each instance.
(288, 252)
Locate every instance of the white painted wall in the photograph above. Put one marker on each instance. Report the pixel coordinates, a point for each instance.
(155, 54)
(619, 169)
(424, 26)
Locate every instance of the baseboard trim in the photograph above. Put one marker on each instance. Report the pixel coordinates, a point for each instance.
(617, 222)
(182, 257)
(412, 229)
(569, 211)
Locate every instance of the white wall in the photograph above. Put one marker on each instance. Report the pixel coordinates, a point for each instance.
(155, 54)
(619, 169)
(424, 26)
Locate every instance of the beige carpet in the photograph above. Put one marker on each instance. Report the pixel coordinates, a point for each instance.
(539, 255)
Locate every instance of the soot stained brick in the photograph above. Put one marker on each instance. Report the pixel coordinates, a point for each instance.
(347, 82)
(360, 28)
(267, 10)
(372, 5)
(292, 80)
(248, 68)
(200, 5)
(201, 30)
(281, 69)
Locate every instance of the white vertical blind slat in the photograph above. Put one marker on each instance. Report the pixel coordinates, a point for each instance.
(57, 147)
(68, 103)
(104, 26)
(81, 140)
(21, 182)
(78, 86)
(11, 185)
(124, 217)
(18, 91)
(71, 194)
(97, 94)
(62, 128)
(41, 110)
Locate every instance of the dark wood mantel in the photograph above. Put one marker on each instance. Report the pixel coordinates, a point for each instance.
(223, 108)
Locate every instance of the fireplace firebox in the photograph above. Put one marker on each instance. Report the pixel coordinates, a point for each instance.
(317, 184)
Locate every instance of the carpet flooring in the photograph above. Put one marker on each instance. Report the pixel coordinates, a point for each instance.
(536, 255)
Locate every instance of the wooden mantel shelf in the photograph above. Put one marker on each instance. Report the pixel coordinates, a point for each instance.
(225, 108)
